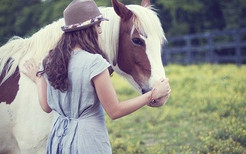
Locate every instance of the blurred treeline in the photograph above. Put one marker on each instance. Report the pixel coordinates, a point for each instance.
(178, 17)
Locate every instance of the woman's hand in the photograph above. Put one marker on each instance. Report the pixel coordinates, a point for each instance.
(160, 93)
(31, 70)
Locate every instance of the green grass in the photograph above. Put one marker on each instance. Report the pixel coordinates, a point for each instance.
(206, 113)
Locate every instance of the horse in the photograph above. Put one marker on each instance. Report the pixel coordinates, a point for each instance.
(131, 40)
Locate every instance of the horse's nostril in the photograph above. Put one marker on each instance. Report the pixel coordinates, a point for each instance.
(144, 91)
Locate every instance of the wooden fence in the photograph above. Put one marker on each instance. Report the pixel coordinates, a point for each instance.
(216, 47)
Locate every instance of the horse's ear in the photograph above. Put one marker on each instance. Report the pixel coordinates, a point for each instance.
(122, 10)
(145, 3)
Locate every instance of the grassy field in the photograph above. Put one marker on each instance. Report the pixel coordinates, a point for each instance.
(206, 113)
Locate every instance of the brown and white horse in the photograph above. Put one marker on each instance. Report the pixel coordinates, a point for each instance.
(131, 40)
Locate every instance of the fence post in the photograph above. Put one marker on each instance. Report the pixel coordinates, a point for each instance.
(211, 48)
(237, 47)
(188, 50)
(164, 55)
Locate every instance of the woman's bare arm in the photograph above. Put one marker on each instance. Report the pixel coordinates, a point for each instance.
(40, 82)
(42, 94)
(109, 100)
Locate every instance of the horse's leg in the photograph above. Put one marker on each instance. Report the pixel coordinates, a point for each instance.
(8, 91)
(8, 143)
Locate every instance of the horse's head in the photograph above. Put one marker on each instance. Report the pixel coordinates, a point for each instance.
(139, 46)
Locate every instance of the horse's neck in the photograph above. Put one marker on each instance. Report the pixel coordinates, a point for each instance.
(108, 40)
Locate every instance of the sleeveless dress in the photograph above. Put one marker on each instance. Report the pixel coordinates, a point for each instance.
(78, 126)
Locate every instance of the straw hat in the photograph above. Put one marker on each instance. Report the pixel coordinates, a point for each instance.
(80, 14)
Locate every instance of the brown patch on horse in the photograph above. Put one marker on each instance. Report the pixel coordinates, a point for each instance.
(132, 57)
(9, 89)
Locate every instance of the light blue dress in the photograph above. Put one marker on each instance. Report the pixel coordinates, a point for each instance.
(79, 126)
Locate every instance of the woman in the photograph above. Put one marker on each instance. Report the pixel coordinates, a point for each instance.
(75, 83)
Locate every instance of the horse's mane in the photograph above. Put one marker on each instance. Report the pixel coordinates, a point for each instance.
(109, 38)
(37, 46)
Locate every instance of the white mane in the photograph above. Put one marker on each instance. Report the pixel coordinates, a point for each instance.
(109, 38)
(36, 47)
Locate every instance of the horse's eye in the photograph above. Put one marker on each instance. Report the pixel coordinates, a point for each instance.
(138, 41)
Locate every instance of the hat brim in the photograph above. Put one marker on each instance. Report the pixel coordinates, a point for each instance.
(76, 27)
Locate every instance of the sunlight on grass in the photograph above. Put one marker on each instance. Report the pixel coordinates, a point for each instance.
(204, 114)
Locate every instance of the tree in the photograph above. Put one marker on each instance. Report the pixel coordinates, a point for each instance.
(178, 17)
(16, 17)
(181, 17)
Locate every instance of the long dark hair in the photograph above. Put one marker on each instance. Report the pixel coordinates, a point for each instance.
(56, 63)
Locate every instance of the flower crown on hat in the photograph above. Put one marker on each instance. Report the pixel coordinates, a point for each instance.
(84, 24)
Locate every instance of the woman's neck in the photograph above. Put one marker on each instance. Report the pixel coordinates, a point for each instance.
(77, 47)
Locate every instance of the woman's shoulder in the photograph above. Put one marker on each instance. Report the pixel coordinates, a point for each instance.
(87, 58)
(85, 54)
